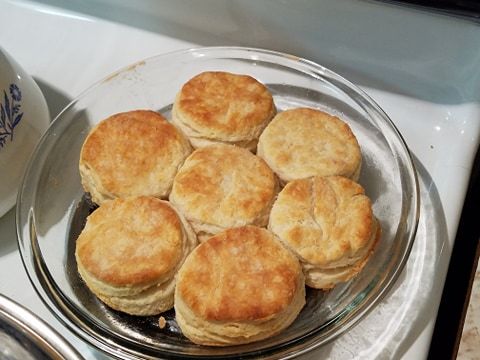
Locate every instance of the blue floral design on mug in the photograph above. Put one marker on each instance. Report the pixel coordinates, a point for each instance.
(10, 114)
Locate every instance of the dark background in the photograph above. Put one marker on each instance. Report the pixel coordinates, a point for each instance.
(465, 8)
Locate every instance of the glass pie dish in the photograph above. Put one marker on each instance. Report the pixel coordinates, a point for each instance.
(52, 206)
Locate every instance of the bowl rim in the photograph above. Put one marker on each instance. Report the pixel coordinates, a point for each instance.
(41, 280)
(40, 335)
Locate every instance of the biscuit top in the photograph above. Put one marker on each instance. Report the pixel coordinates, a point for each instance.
(327, 221)
(303, 142)
(132, 153)
(224, 106)
(241, 274)
(131, 241)
(223, 185)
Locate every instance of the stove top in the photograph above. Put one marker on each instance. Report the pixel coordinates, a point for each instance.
(421, 67)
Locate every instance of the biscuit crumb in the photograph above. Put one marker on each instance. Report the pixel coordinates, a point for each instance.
(162, 322)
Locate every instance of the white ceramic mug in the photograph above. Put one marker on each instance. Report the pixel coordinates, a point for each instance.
(24, 116)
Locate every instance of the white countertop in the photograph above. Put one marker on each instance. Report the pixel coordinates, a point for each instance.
(437, 112)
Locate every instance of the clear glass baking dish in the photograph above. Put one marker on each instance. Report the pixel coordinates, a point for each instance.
(52, 206)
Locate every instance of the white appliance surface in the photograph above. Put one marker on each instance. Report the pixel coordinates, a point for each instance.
(422, 68)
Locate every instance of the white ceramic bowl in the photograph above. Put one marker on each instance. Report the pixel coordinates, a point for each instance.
(24, 116)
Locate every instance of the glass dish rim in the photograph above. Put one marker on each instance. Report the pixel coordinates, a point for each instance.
(38, 273)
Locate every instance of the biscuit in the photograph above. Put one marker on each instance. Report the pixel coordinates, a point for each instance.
(129, 252)
(130, 154)
(328, 222)
(221, 107)
(223, 186)
(302, 142)
(239, 286)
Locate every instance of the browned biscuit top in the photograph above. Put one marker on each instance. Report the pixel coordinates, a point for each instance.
(328, 221)
(132, 153)
(224, 105)
(131, 241)
(303, 142)
(224, 185)
(241, 274)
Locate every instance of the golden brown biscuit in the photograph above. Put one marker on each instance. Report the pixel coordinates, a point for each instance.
(129, 252)
(329, 224)
(302, 142)
(223, 186)
(221, 107)
(130, 154)
(239, 286)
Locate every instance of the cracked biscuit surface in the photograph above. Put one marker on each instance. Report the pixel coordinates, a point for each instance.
(303, 142)
(129, 252)
(222, 107)
(239, 286)
(328, 222)
(130, 154)
(224, 186)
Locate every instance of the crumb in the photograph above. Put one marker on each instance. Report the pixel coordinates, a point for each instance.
(431, 146)
(53, 181)
(162, 322)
